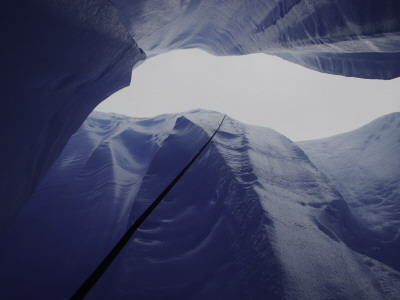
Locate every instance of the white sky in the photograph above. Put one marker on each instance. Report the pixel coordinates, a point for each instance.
(256, 89)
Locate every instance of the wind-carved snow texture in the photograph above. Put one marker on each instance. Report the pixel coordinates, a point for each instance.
(62, 58)
(365, 166)
(252, 218)
(358, 38)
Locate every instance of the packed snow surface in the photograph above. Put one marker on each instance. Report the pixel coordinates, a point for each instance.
(253, 218)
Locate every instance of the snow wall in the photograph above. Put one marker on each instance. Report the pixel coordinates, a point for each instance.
(253, 218)
(61, 58)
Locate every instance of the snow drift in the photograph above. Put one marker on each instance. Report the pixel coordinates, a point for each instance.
(62, 58)
(365, 167)
(253, 218)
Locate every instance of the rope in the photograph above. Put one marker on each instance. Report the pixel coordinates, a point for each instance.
(102, 267)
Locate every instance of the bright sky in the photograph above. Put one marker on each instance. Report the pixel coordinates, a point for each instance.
(256, 89)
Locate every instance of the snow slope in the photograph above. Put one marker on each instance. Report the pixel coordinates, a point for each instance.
(365, 167)
(252, 218)
(60, 59)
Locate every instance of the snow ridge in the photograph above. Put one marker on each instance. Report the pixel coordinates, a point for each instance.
(252, 218)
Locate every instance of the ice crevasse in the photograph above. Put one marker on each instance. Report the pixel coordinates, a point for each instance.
(61, 58)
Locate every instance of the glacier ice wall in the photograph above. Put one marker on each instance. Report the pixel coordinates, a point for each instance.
(253, 218)
(61, 58)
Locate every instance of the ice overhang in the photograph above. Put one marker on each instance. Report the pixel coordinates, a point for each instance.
(61, 58)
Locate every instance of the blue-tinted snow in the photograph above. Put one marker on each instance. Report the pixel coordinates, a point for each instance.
(62, 58)
(365, 166)
(253, 218)
(357, 38)
(59, 59)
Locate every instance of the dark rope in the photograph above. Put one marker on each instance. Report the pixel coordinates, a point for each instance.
(102, 267)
